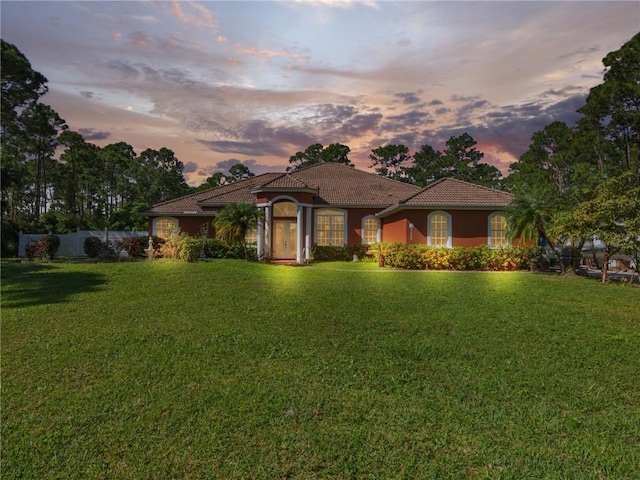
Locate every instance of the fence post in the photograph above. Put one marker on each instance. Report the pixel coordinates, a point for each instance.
(20, 243)
(77, 241)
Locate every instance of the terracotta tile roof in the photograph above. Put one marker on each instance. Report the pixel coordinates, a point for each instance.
(342, 185)
(452, 193)
(287, 181)
(336, 184)
(449, 192)
(231, 193)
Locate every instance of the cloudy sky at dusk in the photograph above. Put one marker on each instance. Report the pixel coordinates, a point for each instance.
(221, 82)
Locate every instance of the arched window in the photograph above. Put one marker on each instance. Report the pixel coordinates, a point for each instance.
(497, 230)
(285, 209)
(331, 227)
(370, 230)
(439, 229)
(164, 227)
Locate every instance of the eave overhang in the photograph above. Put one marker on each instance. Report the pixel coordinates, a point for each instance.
(401, 207)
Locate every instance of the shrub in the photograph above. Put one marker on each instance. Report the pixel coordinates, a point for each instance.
(235, 252)
(214, 248)
(189, 248)
(31, 250)
(48, 246)
(415, 257)
(135, 246)
(379, 252)
(407, 257)
(171, 247)
(330, 253)
(93, 247)
(113, 249)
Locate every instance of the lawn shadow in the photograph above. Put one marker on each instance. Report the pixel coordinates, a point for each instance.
(33, 284)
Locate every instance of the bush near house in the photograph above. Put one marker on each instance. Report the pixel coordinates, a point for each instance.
(421, 257)
(45, 247)
(345, 253)
(136, 246)
(93, 247)
(190, 248)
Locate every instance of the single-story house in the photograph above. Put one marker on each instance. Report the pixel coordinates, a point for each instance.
(333, 204)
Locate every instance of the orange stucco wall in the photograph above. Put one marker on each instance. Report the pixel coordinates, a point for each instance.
(354, 223)
(470, 228)
(395, 228)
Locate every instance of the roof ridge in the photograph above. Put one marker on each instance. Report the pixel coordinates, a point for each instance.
(235, 186)
(474, 184)
(353, 168)
(423, 189)
(288, 175)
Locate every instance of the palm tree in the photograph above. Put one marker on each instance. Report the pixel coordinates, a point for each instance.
(233, 223)
(530, 217)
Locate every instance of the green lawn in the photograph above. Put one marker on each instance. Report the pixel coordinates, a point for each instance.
(230, 369)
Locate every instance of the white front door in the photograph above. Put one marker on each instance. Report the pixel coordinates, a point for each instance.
(284, 238)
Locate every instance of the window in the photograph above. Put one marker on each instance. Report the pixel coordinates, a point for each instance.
(370, 230)
(285, 209)
(497, 230)
(251, 237)
(439, 229)
(330, 227)
(164, 227)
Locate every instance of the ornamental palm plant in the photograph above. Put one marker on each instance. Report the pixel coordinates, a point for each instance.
(530, 216)
(234, 221)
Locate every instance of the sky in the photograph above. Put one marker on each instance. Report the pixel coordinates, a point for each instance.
(255, 82)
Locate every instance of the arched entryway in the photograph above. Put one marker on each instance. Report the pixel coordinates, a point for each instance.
(285, 230)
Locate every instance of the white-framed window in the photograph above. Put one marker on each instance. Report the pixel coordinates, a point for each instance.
(251, 237)
(439, 229)
(497, 230)
(331, 227)
(370, 230)
(164, 227)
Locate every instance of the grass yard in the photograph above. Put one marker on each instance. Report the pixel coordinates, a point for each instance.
(241, 370)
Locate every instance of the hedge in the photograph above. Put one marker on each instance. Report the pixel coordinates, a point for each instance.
(421, 257)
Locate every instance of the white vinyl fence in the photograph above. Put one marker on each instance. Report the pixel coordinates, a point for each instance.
(72, 244)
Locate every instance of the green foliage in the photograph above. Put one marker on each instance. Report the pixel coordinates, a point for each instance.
(21, 84)
(214, 248)
(420, 257)
(612, 216)
(344, 253)
(187, 248)
(190, 248)
(239, 171)
(45, 247)
(93, 247)
(171, 246)
(234, 221)
(612, 113)
(330, 253)
(389, 160)
(135, 246)
(460, 160)
(317, 153)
